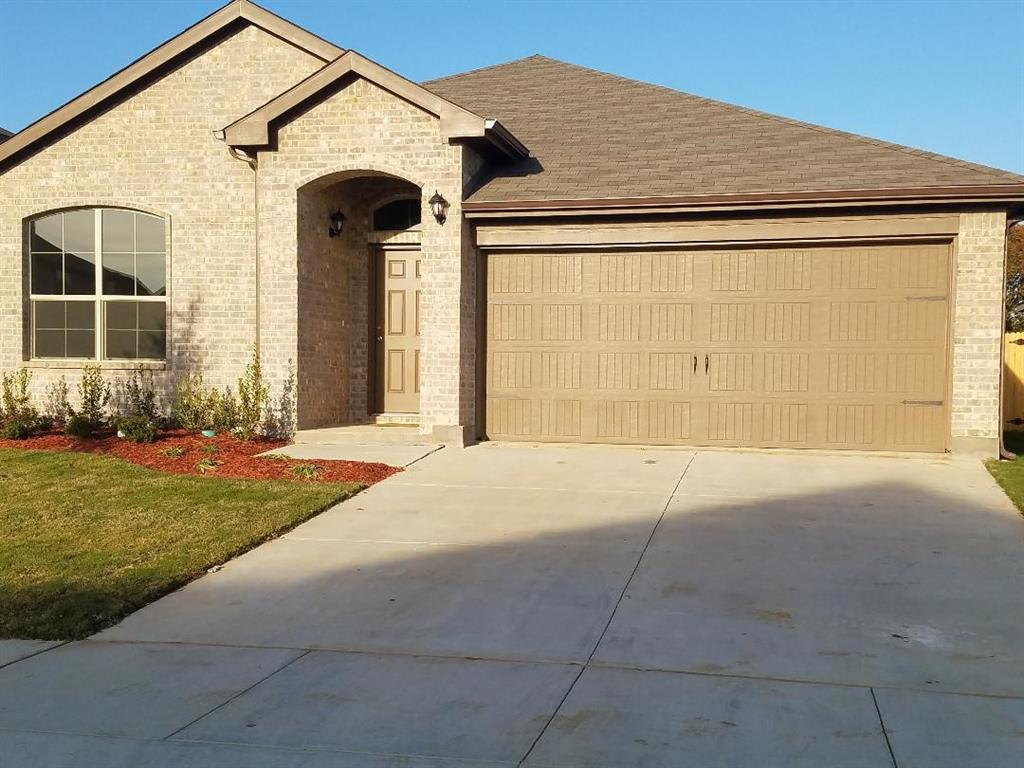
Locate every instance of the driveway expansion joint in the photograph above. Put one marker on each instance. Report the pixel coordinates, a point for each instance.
(611, 616)
(235, 696)
(885, 732)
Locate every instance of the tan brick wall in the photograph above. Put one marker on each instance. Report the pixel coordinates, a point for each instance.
(361, 129)
(978, 329)
(156, 152)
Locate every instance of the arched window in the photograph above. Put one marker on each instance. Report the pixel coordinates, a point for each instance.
(98, 285)
(396, 215)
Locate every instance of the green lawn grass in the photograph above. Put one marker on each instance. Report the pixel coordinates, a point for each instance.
(1010, 474)
(86, 540)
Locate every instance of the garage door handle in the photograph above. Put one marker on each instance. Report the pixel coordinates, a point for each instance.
(694, 363)
(706, 363)
(922, 402)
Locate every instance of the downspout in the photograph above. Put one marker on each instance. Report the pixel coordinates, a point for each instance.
(250, 160)
(1004, 452)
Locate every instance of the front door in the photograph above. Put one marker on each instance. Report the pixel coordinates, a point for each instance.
(398, 329)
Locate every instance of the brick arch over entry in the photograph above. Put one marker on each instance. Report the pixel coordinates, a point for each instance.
(337, 357)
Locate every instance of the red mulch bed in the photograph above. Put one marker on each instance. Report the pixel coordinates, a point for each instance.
(238, 457)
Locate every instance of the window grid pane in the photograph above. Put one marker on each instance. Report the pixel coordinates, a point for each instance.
(64, 329)
(63, 261)
(135, 330)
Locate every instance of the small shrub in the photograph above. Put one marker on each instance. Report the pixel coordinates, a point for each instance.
(93, 395)
(15, 401)
(138, 428)
(207, 464)
(55, 403)
(223, 411)
(307, 471)
(192, 403)
(79, 427)
(252, 398)
(279, 420)
(18, 419)
(18, 429)
(174, 452)
(140, 396)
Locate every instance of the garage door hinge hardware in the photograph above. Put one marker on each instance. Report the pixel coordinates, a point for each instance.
(925, 298)
(922, 402)
(1018, 342)
(1016, 422)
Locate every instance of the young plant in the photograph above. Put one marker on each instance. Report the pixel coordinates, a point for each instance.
(306, 471)
(223, 411)
(18, 418)
(140, 396)
(55, 404)
(209, 449)
(79, 427)
(279, 419)
(138, 428)
(274, 457)
(207, 464)
(93, 395)
(192, 403)
(252, 398)
(173, 452)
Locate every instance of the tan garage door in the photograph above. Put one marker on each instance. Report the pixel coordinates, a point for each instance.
(815, 347)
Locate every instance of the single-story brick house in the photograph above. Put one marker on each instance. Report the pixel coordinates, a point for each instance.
(529, 251)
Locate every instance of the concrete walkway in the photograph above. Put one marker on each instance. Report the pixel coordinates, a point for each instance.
(576, 606)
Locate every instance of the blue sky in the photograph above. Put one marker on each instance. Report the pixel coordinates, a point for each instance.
(943, 76)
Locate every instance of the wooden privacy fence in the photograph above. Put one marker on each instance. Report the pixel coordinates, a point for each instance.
(1013, 381)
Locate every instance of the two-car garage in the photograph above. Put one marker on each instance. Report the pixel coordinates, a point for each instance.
(817, 346)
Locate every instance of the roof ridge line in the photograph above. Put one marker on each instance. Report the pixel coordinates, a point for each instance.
(487, 67)
(922, 153)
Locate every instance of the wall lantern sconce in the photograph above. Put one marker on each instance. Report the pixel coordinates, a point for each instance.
(439, 207)
(337, 224)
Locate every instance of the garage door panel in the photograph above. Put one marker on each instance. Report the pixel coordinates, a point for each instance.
(826, 346)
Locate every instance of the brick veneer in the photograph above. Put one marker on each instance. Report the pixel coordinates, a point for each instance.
(156, 152)
(978, 330)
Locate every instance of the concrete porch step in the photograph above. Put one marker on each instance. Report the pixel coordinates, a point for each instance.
(364, 434)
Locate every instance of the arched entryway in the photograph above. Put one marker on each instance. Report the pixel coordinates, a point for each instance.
(359, 270)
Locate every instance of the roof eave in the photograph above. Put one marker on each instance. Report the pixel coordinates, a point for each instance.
(503, 140)
(996, 193)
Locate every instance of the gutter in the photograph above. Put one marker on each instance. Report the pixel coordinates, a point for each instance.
(1000, 193)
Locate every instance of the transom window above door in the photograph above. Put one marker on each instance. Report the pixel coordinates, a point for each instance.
(98, 285)
(397, 215)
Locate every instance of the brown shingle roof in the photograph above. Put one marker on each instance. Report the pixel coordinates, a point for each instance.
(596, 135)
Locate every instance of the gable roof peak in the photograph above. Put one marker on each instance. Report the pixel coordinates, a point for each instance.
(164, 55)
(255, 129)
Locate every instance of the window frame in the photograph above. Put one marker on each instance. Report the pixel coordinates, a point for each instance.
(97, 297)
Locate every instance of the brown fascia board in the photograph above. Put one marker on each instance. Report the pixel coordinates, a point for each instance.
(995, 193)
(162, 56)
(254, 130)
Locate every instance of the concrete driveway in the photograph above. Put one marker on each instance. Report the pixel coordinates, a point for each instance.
(575, 606)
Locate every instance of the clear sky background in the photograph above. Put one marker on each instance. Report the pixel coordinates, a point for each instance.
(943, 76)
